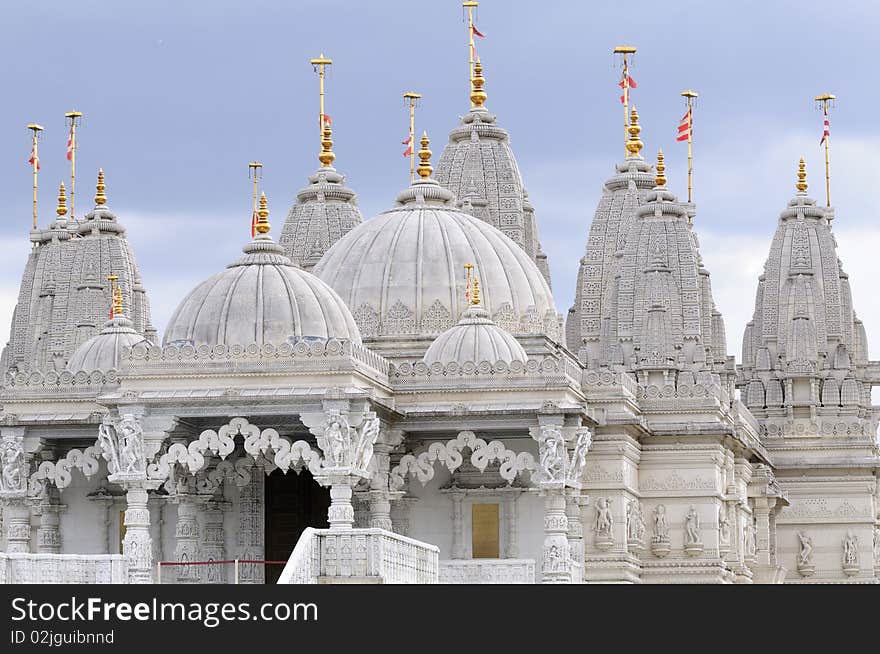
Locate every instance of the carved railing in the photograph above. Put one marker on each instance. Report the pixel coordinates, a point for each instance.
(360, 554)
(414, 373)
(24, 568)
(487, 571)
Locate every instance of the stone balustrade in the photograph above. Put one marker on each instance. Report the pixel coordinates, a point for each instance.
(360, 555)
(487, 571)
(24, 568)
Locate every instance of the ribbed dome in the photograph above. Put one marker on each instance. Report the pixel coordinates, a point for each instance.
(261, 298)
(476, 339)
(402, 273)
(102, 352)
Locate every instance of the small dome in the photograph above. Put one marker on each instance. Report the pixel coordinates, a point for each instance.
(476, 339)
(401, 273)
(102, 352)
(261, 298)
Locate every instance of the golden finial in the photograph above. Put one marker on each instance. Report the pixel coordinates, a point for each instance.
(424, 168)
(475, 294)
(660, 177)
(61, 210)
(100, 197)
(478, 95)
(112, 279)
(634, 144)
(263, 226)
(118, 309)
(802, 177)
(326, 157)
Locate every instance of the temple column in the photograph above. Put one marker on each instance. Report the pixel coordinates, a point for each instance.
(186, 535)
(762, 518)
(556, 568)
(459, 546)
(17, 525)
(49, 529)
(137, 546)
(511, 544)
(401, 511)
(157, 515)
(379, 495)
(214, 539)
(575, 532)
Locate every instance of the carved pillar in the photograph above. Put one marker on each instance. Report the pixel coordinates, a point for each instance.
(556, 568)
(379, 496)
(459, 547)
(575, 528)
(340, 515)
(49, 528)
(157, 515)
(401, 510)
(186, 535)
(214, 540)
(511, 546)
(762, 518)
(137, 546)
(17, 524)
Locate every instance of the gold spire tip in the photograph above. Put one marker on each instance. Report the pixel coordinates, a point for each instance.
(61, 210)
(118, 309)
(475, 293)
(263, 225)
(825, 96)
(425, 168)
(100, 196)
(633, 144)
(802, 177)
(624, 49)
(478, 95)
(690, 94)
(660, 177)
(326, 155)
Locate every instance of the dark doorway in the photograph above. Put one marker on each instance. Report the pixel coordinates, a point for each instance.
(293, 502)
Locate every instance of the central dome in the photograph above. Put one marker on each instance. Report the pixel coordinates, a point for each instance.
(402, 273)
(261, 298)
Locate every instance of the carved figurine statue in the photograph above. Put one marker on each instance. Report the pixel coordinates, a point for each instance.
(337, 435)
(131, 445)
(661, 527)
(723, 525)
(750, 538)
(692, 527)
(635, 523)
(12, 473)
(604, 519)
(107, 443)
(851, 549)
(579, 456)
(552, 452)
(805, 555)
(363, 451)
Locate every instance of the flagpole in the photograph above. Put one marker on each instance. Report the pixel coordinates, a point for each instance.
(690, 96)
(411, 97)
(320, 63)
(826, 98)
(255, 171)
(72, 116)
(470, 5)
(625, 50)
(36, 129)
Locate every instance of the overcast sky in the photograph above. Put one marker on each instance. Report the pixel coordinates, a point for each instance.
(179, 96)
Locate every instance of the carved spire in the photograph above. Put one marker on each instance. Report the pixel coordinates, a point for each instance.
(100, 196)
(634, 144)
(425, 168)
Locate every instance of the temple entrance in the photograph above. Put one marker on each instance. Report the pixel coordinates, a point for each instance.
(293, 502)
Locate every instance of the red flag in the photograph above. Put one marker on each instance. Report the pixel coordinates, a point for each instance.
(477, 32)
(35, 158)
(254, 225)
(407, 141)
(827, 131)
(408, 152)
(328, 119)
(70, 145)
(685, 127)
(626, 84)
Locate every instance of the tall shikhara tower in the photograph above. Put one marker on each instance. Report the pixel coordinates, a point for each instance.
(806, 377)
(478, 165)
(64, 293)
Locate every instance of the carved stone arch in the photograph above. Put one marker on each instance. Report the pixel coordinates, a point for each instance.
(87, 461)
(449, 454)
